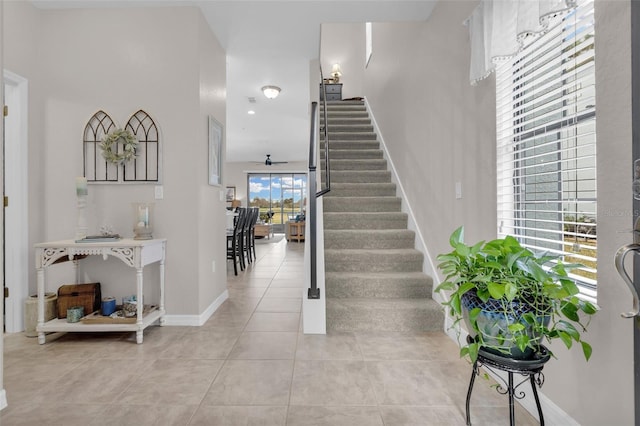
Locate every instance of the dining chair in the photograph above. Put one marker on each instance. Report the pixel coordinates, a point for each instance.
(234, 241)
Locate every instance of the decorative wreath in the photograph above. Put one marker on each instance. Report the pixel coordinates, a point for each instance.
(110, 142)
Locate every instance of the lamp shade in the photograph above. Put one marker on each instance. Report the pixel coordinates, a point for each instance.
(336, 71)
(271, 92)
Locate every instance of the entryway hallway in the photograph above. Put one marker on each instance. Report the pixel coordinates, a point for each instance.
(249, 364)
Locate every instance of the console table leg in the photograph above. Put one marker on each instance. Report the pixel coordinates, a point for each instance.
(41, 295)
(535, 395)
(474, 372)
(512, 417)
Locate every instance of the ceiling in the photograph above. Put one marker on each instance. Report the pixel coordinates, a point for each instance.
(271, 43)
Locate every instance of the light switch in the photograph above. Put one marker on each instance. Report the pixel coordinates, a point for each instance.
(458, 190)
(159, 192)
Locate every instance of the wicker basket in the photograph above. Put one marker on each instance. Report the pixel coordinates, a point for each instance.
(85, 295)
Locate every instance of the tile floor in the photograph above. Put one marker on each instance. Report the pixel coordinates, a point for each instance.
(248, 365)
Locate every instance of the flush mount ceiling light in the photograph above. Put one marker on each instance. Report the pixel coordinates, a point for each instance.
(271, 92)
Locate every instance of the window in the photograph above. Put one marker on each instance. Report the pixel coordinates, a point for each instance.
(546, 147)
(280, 196)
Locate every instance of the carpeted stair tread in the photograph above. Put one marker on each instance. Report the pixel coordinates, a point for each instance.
(378, 284)
(371, 260)
(365, 220)
(361, 176)
(345, 120)
(352, 144)
(362, 204)
(376, 314)
(350, 128)
(381, 239)
(362, 189)
(352, 154)
(351, 164)
(337, 136)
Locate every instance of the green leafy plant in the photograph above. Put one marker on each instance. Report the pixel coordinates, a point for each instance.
(109, 146)
(532, 292)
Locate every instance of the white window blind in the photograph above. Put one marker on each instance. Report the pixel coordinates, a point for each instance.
(546, 147)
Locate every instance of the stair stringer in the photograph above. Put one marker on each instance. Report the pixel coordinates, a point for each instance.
(428, 267)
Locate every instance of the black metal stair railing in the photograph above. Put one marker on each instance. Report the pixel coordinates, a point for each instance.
(314, 291)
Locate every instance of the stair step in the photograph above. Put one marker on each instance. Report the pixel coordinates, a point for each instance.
(349, 128)
(382, 285)
(343, 136)
(354, 144)
(344, 120)
(356, 164)
(353, 154)
(371, 314)
(373, 273)
(365, 220)
(362, 190)
(344, 105)
(332, 115)
(368, 239)
(361, 260)
(360, 176)
(362, 204)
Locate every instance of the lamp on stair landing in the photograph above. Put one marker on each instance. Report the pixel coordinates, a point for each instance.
(336, 73)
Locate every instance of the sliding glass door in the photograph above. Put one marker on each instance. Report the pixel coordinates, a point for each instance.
(280, 196)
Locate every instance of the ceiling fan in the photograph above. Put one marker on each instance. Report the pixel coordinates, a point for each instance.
(268, 161)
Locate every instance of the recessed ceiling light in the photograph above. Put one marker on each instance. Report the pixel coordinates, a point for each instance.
(251, 112)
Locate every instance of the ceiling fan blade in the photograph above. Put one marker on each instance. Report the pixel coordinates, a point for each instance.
(268, 161)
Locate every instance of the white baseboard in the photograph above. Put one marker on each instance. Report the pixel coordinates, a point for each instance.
(3, 399)
(196, 320)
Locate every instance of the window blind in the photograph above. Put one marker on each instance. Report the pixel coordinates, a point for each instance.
(546, 144)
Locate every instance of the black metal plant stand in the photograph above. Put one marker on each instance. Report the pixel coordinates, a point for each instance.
(530, 368)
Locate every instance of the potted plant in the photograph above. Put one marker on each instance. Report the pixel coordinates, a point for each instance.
(511, 298)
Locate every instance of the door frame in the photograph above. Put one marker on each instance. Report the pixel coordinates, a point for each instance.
(16, 236)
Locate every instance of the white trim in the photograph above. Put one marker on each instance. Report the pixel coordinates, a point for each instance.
(16, 187)
(428, 266)
(196, 320)
(3, 399)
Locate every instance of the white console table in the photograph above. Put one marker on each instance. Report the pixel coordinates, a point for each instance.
(134, 253)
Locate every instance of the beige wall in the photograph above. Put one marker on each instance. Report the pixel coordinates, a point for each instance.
(162, 60)
(439, 130)
(344, 44)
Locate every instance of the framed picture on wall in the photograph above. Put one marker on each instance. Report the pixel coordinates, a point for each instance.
(231, 193)
(215, 152)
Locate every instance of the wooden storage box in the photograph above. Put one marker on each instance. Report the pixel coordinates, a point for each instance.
(85, 295)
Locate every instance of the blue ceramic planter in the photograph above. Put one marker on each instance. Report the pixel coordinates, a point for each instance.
(493, 324)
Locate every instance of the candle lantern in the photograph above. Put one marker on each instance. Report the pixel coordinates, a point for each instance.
(81, 195)
(142, 221)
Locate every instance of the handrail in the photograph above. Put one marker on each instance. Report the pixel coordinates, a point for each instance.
(325, 133)
(313, 291)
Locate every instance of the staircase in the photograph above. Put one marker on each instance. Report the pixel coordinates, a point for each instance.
(374, 278)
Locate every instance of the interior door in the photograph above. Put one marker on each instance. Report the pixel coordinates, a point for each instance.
(15, 171)
(635, 69)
